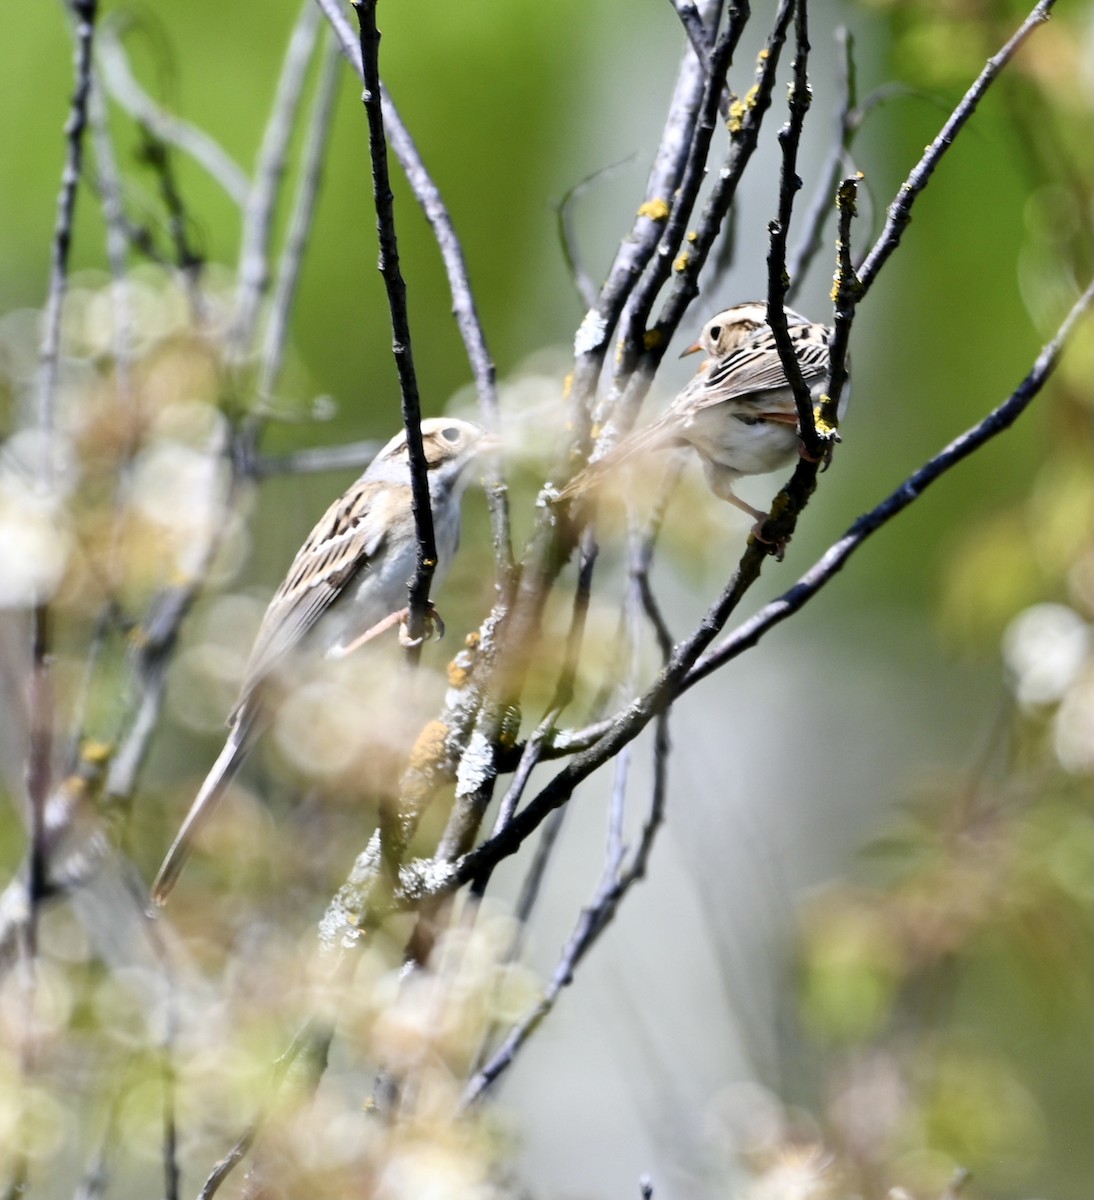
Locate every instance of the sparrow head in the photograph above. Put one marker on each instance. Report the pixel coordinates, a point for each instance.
(726, 330)
(450, 446)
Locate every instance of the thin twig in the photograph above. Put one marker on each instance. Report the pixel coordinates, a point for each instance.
(400, 330)
(300, 224)
(84, 12)
(253, 273)
(900, 211)
(778, 281)
(847, 122)
(583, 284)
(702, 40)
(347, 456)
(126, 91)
(614, 884)
(41, 697)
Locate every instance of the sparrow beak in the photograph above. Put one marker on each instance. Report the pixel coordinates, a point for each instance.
(488, 443)
(780, 418)
(694, 348)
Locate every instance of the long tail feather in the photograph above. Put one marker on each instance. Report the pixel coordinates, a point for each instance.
(223, 771)
(646, 441)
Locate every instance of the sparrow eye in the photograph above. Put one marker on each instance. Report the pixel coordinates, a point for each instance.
(715, 332)
(450, 433)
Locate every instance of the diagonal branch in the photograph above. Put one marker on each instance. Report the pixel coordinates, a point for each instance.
(900, 211)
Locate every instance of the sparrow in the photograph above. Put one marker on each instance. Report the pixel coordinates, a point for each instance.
(347, 583)
(738, 412)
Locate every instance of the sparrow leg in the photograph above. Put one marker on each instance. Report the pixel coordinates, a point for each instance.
(434, 625)
(396, 618)
(720, 482)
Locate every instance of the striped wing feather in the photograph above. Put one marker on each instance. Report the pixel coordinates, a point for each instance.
(349, 534)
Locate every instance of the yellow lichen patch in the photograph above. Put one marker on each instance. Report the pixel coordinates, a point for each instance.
(96, 752)
(458, 674)
(763, 55)
(472, 640)
(428, 749)
(568, 385)
(693, 237)
(681, 263)
(656, 210)
(736, 119)
(825, 429)
(651, 338)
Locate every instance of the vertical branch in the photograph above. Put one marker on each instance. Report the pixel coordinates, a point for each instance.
(847, 122)
(400, 324)
(84, 11)
(429, 197)
(846, 291)
(778, 282)
(300, 222)
(41, 699)
(258, 212)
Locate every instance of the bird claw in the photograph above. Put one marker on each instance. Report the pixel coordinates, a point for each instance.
(776, 548)
(434, 627)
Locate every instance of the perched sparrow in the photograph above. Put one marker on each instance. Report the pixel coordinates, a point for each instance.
(738, 412)
(347, 582)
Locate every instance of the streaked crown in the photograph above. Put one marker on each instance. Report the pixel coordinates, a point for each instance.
(450, 446)
(726, 330)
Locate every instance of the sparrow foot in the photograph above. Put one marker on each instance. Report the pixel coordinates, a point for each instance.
(434, 627)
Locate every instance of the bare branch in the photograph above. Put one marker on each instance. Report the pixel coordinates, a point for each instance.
(847, 123)
(253, 274)
(126, 91)
(300, 224)
(400, 328)
(778, 282)
(346, 456)
(900, 211)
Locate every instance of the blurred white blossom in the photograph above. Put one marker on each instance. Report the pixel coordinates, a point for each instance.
(1045, 647)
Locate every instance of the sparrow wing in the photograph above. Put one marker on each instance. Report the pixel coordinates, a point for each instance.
(755, 367)
(346, 539)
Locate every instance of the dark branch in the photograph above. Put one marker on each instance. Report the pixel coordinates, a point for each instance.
(847, 123)
(400, 327)
(429, 198)
(778, 282)
(900, 211)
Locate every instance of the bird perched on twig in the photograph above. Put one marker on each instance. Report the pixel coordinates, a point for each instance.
(347, 583)
(738, 412)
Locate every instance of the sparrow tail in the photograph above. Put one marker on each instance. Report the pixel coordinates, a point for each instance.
(654, 437)
(216, 784)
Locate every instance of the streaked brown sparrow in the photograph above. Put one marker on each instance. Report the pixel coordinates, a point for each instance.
(348, 581)
(738, 412)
